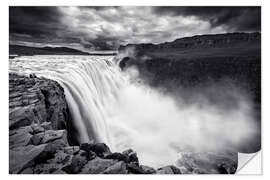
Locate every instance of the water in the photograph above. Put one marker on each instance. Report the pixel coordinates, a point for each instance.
(91, 86)
(109, 106)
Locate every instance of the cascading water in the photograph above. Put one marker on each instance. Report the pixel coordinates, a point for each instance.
(107, 107)
(91, 87)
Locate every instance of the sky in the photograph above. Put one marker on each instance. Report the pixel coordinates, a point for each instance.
(105, 28)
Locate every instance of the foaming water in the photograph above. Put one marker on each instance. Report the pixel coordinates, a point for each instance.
(108, 106)
(91, 86)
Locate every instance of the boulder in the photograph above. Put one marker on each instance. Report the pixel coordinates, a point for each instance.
(168, 170)
(97, 166)
(118, 168)
(118, 156)
(37, 138)
(100, 149)
(78, 161)
(134, 168)
(147, 169)
(132, 156)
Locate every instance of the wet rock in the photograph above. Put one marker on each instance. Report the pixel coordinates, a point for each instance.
(134, 168)
(147, 169)
(118, 156)
(132, 156)
(118, 168)
(100, 149)
(72, 149)
(97, 166)
(78, 161)
(169, 170)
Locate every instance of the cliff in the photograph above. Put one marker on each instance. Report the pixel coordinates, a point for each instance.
(40, 139)
(195, 62)
(201, 46)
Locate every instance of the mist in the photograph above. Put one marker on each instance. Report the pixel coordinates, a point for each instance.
(159, 125)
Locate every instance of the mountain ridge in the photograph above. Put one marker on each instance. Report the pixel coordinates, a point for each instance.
(28, 50)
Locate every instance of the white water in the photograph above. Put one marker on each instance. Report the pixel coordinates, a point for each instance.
(107, 107)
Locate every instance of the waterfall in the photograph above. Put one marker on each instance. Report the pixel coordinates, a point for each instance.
(107, 106)
(91, 86)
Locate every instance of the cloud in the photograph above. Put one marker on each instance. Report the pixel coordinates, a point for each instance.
(89, 28)
(234, 18)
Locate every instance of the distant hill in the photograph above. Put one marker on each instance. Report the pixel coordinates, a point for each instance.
(202, 46)
(27, 50)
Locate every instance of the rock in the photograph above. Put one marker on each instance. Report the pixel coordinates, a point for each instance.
(134, 168)
(36, 100)
(32, 75)
(175, 170)
(60, 157)
(19, 137)
(19, 117)
(72, 149)
(46, 168)
(27, 171)
(165, 170)
(97, 166)
(147, 170)
(118, 156)
(37, 128)
(59, 171)
(100, 149)
(132, 156)
(118, 168)
(51, 135)
(37, 138)
(209, 162)
(78, 161)
(25, 156)
(47, 125)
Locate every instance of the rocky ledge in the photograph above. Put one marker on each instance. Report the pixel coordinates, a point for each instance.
(40, 141)
(39, 138)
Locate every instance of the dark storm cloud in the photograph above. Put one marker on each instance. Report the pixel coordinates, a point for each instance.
(97, 27)
(237, 18)
(34, 21)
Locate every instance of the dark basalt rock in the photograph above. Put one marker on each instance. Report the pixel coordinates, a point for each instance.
(118, 156)
(100, 149)
(169, 170)
(132, 156)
